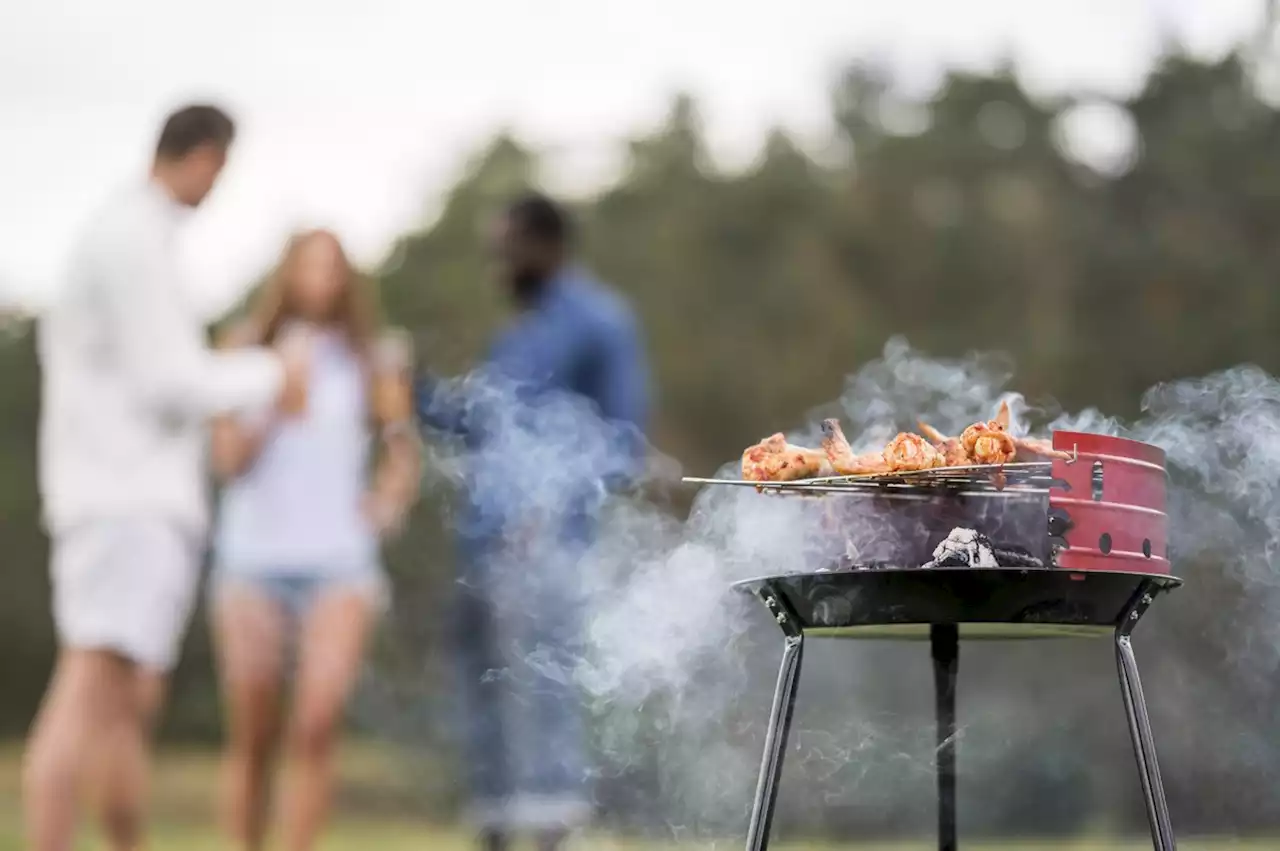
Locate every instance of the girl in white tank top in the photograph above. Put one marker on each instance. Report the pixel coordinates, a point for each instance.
(296, 547)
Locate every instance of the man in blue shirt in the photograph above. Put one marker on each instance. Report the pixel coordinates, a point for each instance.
(548, 427)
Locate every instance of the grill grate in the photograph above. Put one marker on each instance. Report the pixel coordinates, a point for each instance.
(1028, 477)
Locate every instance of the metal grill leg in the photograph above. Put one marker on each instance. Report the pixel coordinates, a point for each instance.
(944, 640)
(775, 744)
(1144, 746)
(1135, 707)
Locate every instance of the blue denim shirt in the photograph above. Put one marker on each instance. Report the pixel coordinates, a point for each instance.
(555, 417)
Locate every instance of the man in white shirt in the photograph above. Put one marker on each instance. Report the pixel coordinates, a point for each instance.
(129, 385)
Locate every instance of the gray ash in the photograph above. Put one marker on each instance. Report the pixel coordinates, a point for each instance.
(970, 548)
(845, 564)
(964, 548)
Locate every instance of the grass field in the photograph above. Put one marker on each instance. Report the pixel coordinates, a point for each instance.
(183, 821)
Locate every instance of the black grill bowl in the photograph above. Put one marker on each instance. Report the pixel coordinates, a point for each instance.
(986, 603)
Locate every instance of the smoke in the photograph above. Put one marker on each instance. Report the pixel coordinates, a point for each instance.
(888, 395)
(1221, 436)
(676, 576)
(676, 665)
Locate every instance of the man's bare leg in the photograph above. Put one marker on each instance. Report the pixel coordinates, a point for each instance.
(90, 699)
(124, 767)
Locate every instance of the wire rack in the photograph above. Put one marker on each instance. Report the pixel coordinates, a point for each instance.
(1027, 477)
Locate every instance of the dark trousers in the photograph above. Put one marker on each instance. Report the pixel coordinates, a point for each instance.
(518, 625)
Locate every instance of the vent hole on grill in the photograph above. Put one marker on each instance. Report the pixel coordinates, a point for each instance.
(1146, 547)
(1104, 543)
(1097, 481)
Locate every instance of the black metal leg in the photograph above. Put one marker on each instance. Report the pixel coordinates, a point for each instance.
(1144, 745)
(775, 743)
(944, 641)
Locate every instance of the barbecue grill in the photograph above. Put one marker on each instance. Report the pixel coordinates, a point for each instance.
(1096, 525)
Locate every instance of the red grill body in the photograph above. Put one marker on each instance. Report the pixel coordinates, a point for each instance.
(1107, 508)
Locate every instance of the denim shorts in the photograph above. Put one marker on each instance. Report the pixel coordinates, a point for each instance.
(295, 592)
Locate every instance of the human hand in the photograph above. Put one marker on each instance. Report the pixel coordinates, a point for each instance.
(392, 362)
(295, 351)
(236, 335)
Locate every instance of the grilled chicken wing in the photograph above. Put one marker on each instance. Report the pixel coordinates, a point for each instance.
(1003, 416)
(981, 443)
(932, 433)
(988, 443)
(775, 460)
(1028, 445)
(1039, 448)
(908, 452)
(841, 456)
(950, 448)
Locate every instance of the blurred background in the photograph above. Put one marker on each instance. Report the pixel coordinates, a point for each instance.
(1092, 188)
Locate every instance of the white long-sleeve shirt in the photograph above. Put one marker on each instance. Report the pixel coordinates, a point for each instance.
(129, 382)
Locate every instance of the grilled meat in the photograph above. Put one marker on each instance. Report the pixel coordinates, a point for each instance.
(983, 443)
(1003, 416)
(1023, 445)
(908, 452)
(1039, 448)
(842, 458)
(775, 460)
(988, 443)
(950, 448)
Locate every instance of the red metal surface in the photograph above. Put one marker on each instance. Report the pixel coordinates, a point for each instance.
(1122, 528)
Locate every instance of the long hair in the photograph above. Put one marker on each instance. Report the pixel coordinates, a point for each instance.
(355, 310)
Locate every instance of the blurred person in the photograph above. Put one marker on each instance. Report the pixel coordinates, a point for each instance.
(552, 422)
(128, 389)
(297, 580)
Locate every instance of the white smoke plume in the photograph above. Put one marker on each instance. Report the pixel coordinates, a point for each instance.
(668, 668)
(667, 624)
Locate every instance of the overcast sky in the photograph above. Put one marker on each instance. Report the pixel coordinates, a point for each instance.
(356, 115)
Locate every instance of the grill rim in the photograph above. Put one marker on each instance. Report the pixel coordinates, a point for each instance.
(900, 596)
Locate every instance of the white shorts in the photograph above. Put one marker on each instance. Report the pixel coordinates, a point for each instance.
(126, 585)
